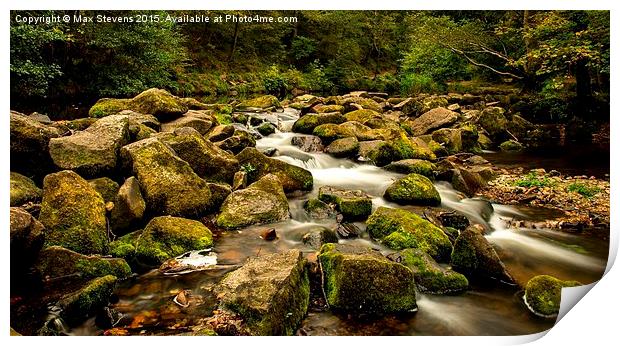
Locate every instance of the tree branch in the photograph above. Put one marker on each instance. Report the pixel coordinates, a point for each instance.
(475, 63)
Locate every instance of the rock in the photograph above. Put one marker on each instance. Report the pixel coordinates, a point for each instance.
(77, 306)
(543, 294)
(23, 190)
(27, 237)
(262, 202)
(266, 128)
(413, 189)
(347, 230)
(206, 159)
(365, 103)
(380, 153)
(318, 236)
(450, 139)
(57, 263)
(429, 276)
(261, 102)
(455, 107)
(474, 256)
(454, 220)
(220, 133)
(400, 229)
(140, 132)
(353, 205)
(160, 103)
(136, 118)
(240, 180)
(321, 108)
(309, 144)
(345, 147)
(429, 103)
(237, 142)
(307, 123)
(68, 126)
(423, 167)
(271, 293)
(484, 141)
(432, 120)
(201, 125)
(330, 132)
(362, 115)
(407, 105)
(129, 206)
(94, 151)
(511, 146)
(492, 119)
(360, 279)
(106, 187)
(74, 214)
(318, 209)
(519, 127)
(163, 237)
(169, 185)
(29, 145)
(291, 177)
(361, 131)
(269, 234)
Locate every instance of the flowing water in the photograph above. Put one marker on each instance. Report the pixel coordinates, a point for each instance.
(146, 302)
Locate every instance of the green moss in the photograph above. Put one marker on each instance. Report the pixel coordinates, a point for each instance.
(429, 238)
(429, 276)
(57, 262)
(344, 147)
(157, 102)
(223, 118)
(318, 209)
(534, 180)
(330, 132)
(511, 145)
(23, 190)
(85, 301)
(264, 102)
(105, 107)
(361, 115)
(307, 123)
(543, 294)
(413, 189)
(106, 187)
(353, 205)
(423, 167)
(292, 178)
(585, 190)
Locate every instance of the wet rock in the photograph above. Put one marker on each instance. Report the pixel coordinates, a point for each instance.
(309, 144)
(206, 159)
(464, 176)
(30, 144)
(201, 125)
(136, 118)
(400, 229)
(73, 214)
(262, 202)
(353, 205)
(169, 185)
(413, 189)
(330, 132)
(321, 108)
(319, 236)
(543, 294)
(360, 279)
(363, 132)
(129, 206)
(432, 120)
(240, 180)
(77, 306)
(94, 151)
(492, 119)
(266, 128)
(347, 230)
(262, 102)
(449, 139)
(237, 142)
(23, 190)
(27, 236)
(511, 146)
(307, 123)
(422, 167)
(160, 103)
(361, 115)
(271, 293)
(106, 187)
(519, 127)
(454, 220)
(291, 177)
(429, 276)
(474, 256)
(380, 153)
(163, 237)
(270, 152)
(189, 262)
(345, 147)
(318, 209)
(269, 234)
(220, 132)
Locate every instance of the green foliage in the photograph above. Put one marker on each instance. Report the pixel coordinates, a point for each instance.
(584, 189)
(534, 180)
(275, 83)
(302, 48)
(429, 66)
(411, 84)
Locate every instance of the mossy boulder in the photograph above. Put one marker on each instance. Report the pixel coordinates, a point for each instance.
(361, 131)
(200, 124)
(474, 256)
(362, 115)
(318, 209)
(321, 108)
(94, 151)
(266, 128)
(429, 103)
(106, 187)
(220, 132)
(237, 142)
(271, 293)
(129, 206)
(407, 166)
(492, 119)
(205, 158)
(262, 202)
(163, 237)
(360, 279)
(330, 132)
(511, 146)
(23, 190)
(168, 184)
(292, 178)
(140, 132)
(307, 123)
(30, 145)
(160, 103)
(411, 148)
(318, 236)
(345, 147)
(378, 152)
(27, 236)
(401, 229)
(74, 214)
(86, 301)
(432, 120)
(450, 139)
(58, 263)
(413, 189)
(136, 118)
(352, 204)
(430, 277)
(363, 102)
(262, 102)
(543, 294)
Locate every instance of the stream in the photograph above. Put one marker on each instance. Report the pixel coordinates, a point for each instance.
(146, 301)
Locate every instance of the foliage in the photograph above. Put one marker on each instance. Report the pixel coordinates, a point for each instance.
(411, 84)
(275, 83)
(583, 189)
(534, 180)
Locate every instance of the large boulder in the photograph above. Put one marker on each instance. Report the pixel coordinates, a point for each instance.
(430, 277)
(511, 146)
(168, 184)
(426, 104)
(262, 202)
(413, 189)
(23, 190)
(543, 294)
(474, 256)
(464, 176)
(321, 108)
(30, 145)
(136, 118)
(129, 206)
(157, 102)
(77, 306)
(360, 279)
(220, 133)
(292, 178)
(271, 293)
(432, 120)
(492, 119)
(106, 187)
(345, 147)
(353, 205)
(308, 122)
(206, 159)
(74, 214)
(378, 152)
(407, 166)
(362, 132)
(262, 102)
(94, 151)
(27, 236)
(200, 124)
(362, 115)
(330, 132)
(309, 144)
(450, 139)
(400, 229)
(237, 142)
(163, 237)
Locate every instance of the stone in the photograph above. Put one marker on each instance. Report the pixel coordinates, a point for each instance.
(201, 125)
(345, 147)
(129, 206)
(307, 123)
(220, 132)
(511, 146)
(454, 220)
(79, 305)
(321, 108)
(492, 119)
(431, 120)
(240, 180)
(330, 132)
(27, 237)
(361, 115)
(136, 118)
(292, 178)
(237, 142)
(353, 205)
(543, 294)
(309, 144)
(106, 187)
(423, 167)
(29, 152)
(318, 236)
(413, 189)
(318, 209)
(262, 102)
(157, 102)
(266, 128)
(23, 190)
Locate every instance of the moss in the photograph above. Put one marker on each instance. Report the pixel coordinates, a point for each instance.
(543, 294)
(292, 178)
(344, 147)
(58, 262)
(266, 128)
(381, 154)
(429, 238)
(223, 118)
(157, 102)
(307, 123)
(413, 189)
(450, 138)
(492, 119)
(353, 205)
(106, 187)
(330, 132)
(360, 279)
(263, 102)
(511, 145)
(429, 276)
(87, 300)
(361, 115)
(106, 106)
(406, 148)
(23, 190)
(318, 209)
(422, 167)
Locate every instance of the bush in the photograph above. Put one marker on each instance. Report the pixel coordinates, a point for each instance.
(315, 79)
(534, 180)
(275, 83)
(584, 190)
(411, 84)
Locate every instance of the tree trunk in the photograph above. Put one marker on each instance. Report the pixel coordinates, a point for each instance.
(234, 44)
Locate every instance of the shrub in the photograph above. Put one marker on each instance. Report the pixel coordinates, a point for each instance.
(584, 190)
(533, 180)
(411, 84)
